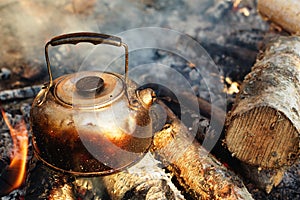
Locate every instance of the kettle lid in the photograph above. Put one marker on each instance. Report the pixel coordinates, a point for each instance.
(89, 89)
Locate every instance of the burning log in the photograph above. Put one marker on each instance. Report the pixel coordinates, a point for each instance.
(263, 126)
(198, 172)
(283, 13)
(145, 180)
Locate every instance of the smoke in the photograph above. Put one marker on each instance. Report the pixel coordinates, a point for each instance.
(28, 24)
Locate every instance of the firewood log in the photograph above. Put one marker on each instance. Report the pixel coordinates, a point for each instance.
(145, 180)
(197, 171)
(263, 125)
(264, 179)
(283, 13)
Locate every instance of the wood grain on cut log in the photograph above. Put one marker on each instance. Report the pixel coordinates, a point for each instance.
(283, 13)
(263, 126)
(197, 171)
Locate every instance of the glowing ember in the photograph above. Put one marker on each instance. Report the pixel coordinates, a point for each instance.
(14, 175)
(237, 7)
(245, 11)
(191, 65)
(236, 3)
(233, 86)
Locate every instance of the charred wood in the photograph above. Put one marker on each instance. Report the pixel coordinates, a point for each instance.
(264, 179)
(20, 93)
(45, 183)
(206, 109)
(4, 73)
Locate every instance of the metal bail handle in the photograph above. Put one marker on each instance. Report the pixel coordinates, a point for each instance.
(94, 38)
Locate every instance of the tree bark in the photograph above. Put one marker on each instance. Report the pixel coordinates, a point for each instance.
(197, 171)
(263, 126)
(283, 13)
(145, 180)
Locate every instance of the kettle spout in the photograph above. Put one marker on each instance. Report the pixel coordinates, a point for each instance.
(147, 97)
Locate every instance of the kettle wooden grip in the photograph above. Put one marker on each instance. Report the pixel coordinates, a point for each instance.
(94, 38)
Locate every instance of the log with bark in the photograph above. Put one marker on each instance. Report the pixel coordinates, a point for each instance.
(264, 179)
(282, 13)
(197, 171)
(145, 180)
(263, 125)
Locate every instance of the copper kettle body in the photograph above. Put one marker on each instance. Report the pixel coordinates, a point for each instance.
(91, 122)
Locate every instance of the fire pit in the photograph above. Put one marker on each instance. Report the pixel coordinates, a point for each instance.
(232, 32)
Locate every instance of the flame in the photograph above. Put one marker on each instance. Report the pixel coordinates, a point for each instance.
(14, 175)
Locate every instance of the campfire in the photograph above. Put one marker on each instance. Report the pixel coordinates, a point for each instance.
(14, 174)
(218, 96)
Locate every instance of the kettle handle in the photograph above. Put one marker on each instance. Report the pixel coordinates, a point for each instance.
(75, 38)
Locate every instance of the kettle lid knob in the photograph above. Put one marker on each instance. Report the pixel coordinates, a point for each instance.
(89, 85)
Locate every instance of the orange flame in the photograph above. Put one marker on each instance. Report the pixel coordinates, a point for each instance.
(14, 175)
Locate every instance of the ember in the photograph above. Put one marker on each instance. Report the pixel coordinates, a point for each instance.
(233, 86)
